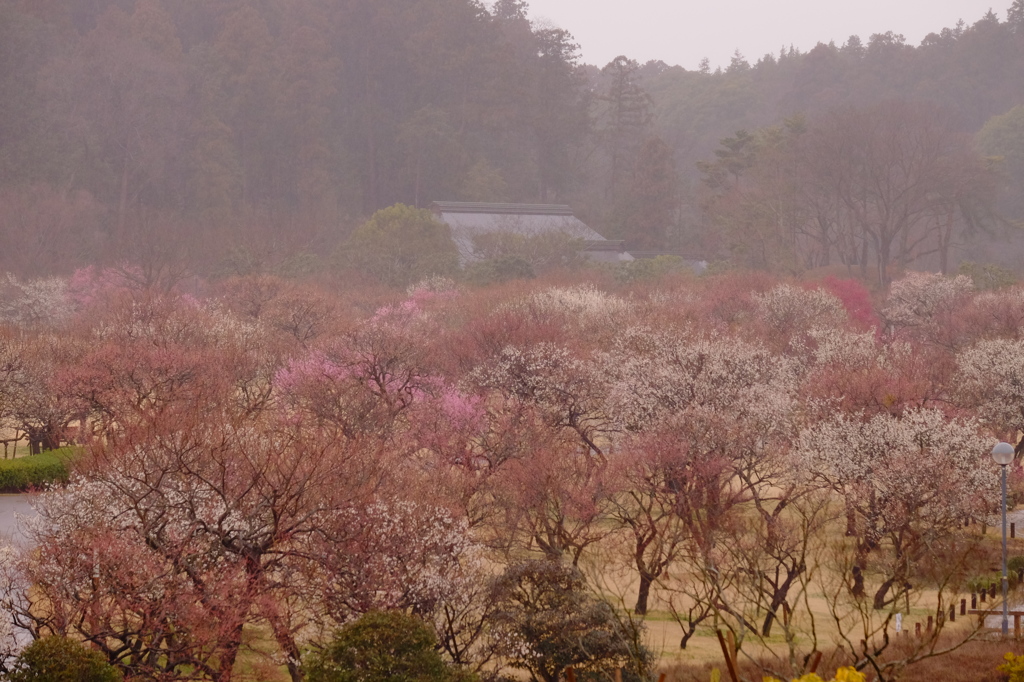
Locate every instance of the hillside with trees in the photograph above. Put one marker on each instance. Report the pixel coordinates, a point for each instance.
(225, 137)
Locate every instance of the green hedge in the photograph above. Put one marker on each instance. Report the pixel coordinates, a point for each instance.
(35, 471)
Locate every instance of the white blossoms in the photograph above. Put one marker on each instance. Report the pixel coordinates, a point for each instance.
(917, 299)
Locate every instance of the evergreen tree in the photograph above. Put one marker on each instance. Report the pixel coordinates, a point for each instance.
(651, 203)
(627, 117)
(1015, 16)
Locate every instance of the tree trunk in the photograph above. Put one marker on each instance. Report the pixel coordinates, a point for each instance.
(769, 621)
(416, 188)
(945, 237)
(883, 265)
(858, 582)
(851, 520)
(122, 206)
(290, 649)
(883, 590)
(227, 661)
(643, 594)
(51, 438)
(779, 601)
(689, 632)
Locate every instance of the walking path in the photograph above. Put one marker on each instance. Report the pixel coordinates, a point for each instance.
(11, 508)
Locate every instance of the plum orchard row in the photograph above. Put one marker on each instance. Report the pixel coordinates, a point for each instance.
(775, 459)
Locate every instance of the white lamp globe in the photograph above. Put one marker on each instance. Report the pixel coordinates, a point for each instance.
(1002, 454)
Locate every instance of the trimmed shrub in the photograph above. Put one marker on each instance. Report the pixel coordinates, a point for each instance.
(380, 647)
(59, 659)
(35, 471)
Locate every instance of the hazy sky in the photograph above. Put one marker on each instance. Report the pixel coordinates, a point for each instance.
(684, 31)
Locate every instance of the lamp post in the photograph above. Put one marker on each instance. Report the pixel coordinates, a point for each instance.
(1002, 453)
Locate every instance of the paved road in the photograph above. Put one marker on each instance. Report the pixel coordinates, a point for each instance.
(11, 507)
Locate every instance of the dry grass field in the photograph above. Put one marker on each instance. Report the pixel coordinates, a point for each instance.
(976, 659)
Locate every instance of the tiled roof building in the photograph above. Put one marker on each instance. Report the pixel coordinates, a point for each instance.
(468, 220)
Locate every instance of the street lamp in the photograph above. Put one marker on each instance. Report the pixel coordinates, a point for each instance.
(1003, 455)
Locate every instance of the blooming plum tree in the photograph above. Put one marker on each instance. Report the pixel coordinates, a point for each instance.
(167, 546)
(990, 379)
(907, 482)
(921, 302)
(653, 375)
(669, 500)
(35, 303)
(566, 391)
(789, 312)
(35, 398)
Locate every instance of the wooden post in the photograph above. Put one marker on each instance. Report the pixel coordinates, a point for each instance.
(618, 675)
(931, 624)
(570, 674)
(1016, 626)
(974, 601)
(917, 629)
(815, 660)
(992, 592)
(963, 607)
(1013, 530)
(952, 613)
(984, 594)
(730, 662)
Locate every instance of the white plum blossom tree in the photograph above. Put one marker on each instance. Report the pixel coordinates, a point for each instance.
(712, 419)
(906, 480)
(653, 375)
(920, 299)
(990, 379)
(567, 391)
(788, 309)
(579, 302)
(37, 302)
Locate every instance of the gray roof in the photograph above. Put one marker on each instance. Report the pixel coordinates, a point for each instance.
(468, 220)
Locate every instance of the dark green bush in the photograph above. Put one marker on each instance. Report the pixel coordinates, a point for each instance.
(514, 253)
(380, 647)
(59, 659)
(401, 245)
(987, 276)
(498, 270)
(985, 583)
(34, 471)
(550, 621)
(644, 269)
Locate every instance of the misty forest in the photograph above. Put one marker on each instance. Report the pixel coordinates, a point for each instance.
(364, 340)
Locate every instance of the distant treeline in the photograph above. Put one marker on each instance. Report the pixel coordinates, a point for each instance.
(230, 135)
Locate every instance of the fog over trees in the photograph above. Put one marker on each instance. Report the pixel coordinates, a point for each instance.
(226, 137)
(309, 436)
